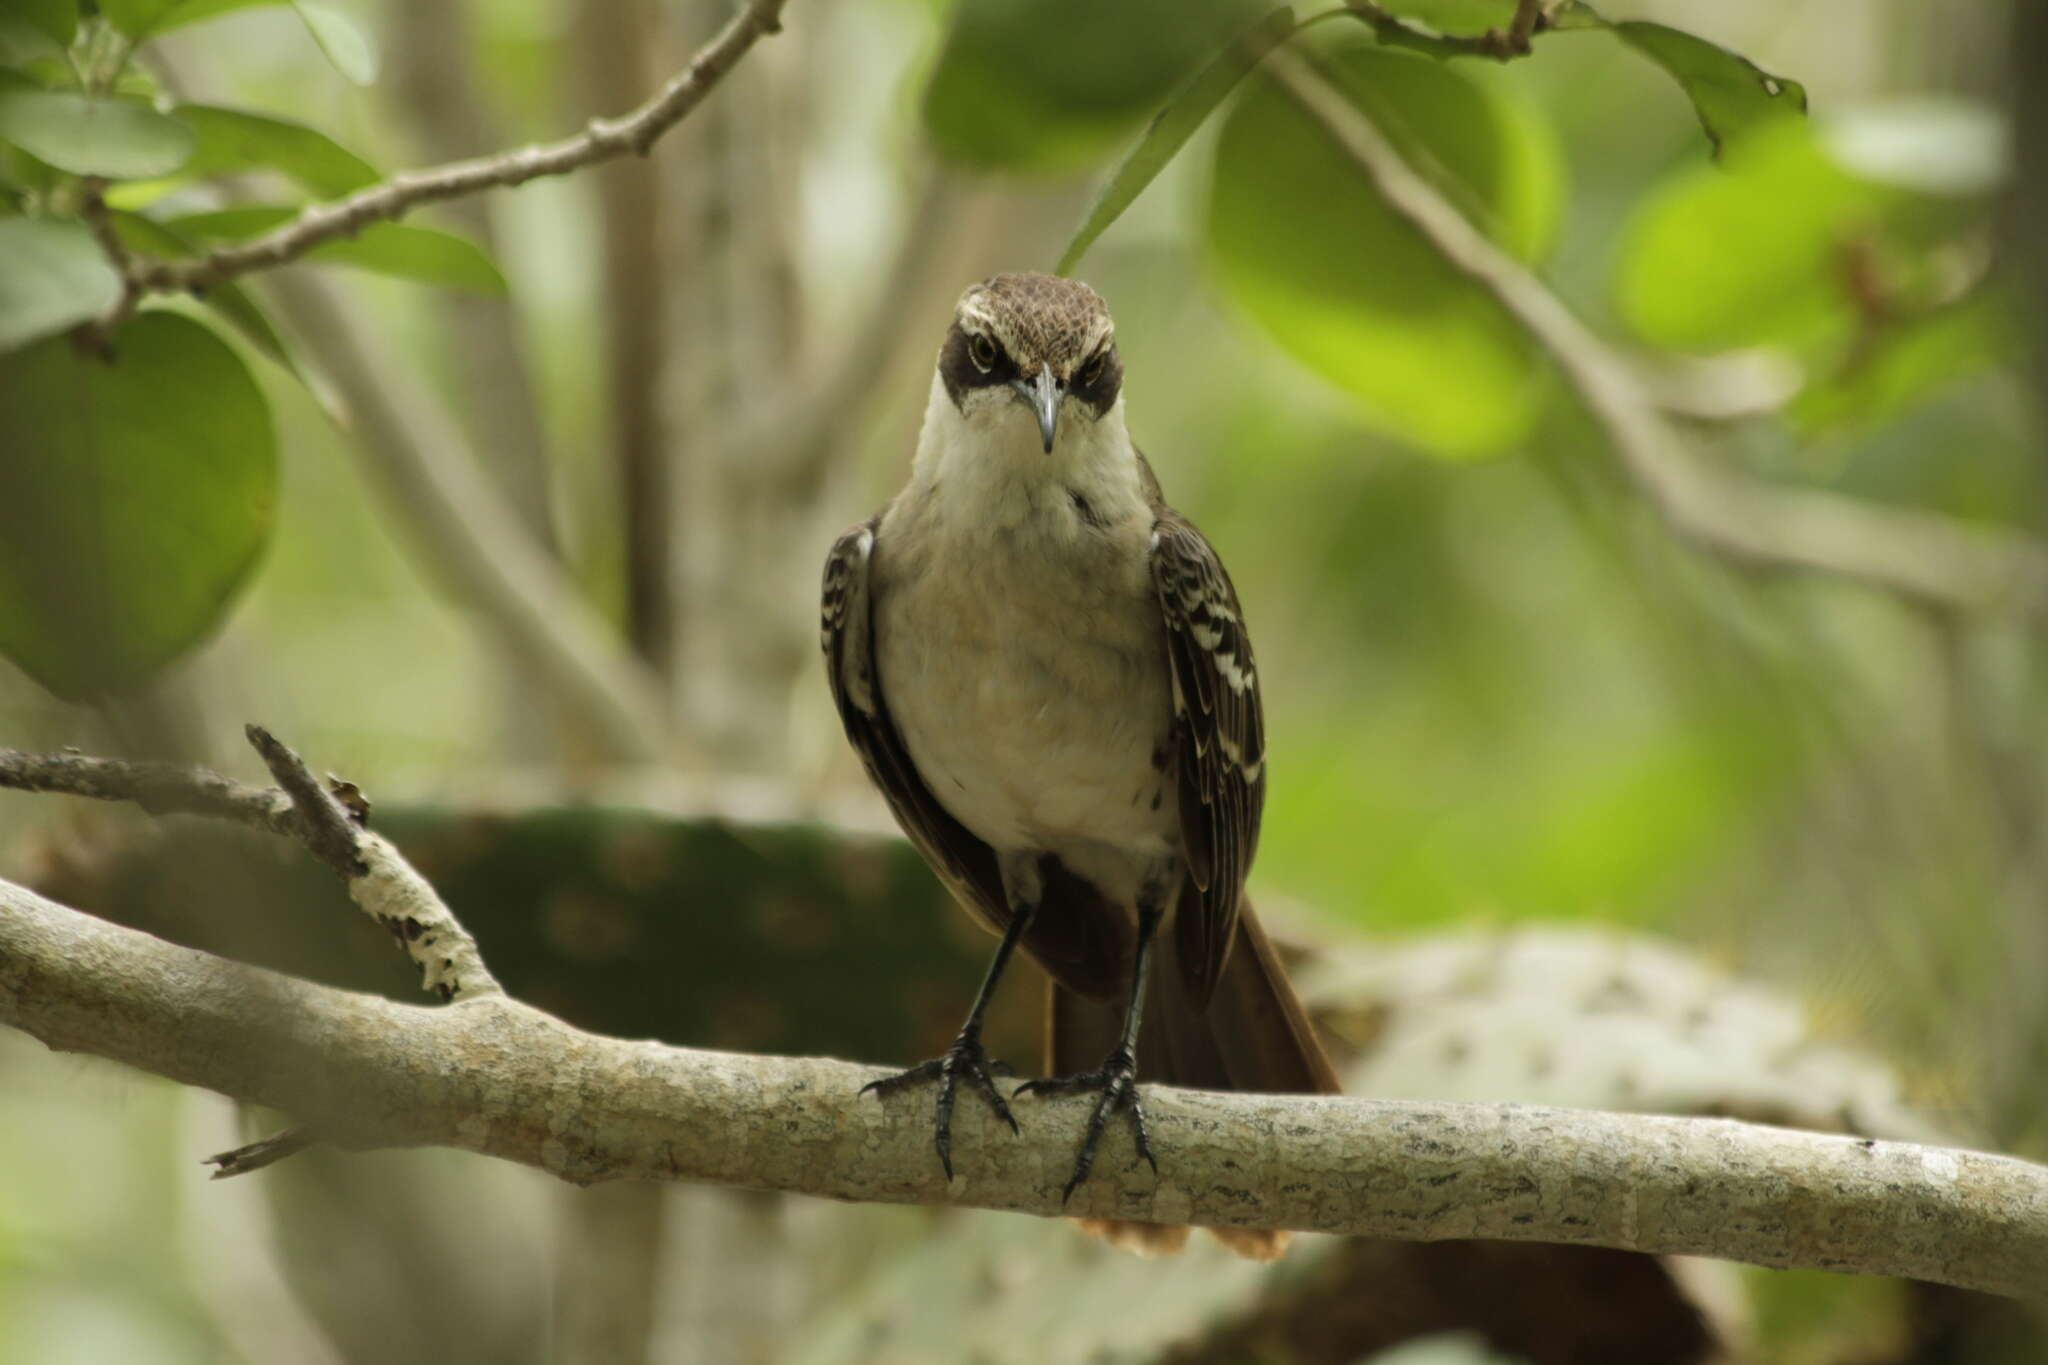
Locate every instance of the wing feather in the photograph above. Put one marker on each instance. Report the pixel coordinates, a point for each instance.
(1219, 740)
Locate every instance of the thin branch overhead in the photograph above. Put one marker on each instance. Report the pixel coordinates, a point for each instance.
(499, 1078)
(602, 140)
(1925, 557)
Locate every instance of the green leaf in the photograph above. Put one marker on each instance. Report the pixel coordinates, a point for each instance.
(1305, 246)
(183, 12)
(1051, 85)
(136, 18)
(53, 275)
(134, 501)
(1750, 253)
(87, 135)
(1174, 125)
(231, 140)
(1889, 373)
(403, 249)
(22, 44)
(341, 38)
(55, 19)
(1731, 94)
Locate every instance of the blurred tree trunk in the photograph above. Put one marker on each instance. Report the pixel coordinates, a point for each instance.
(433, 80)
(619, 50)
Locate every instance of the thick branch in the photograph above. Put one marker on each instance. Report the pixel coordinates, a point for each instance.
(602, 140)
(499, 1078)
(1928, 558)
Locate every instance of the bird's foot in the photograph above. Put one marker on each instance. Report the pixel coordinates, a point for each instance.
(1116, 1083)
(964, 1060)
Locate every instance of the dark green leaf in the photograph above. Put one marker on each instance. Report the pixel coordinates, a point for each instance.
(53, 275)
(341, 38)
(134, 501)
(136, 18)
(87, 135)
(23, 43)
(183, 12)
(1302, 242)
(55, 19)
(230, 140)
(1731, 94)
(403, 249)
(1041, 85)
(1174, 125)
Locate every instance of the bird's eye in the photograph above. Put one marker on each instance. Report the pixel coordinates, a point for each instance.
(1092, 371)
(982, 351)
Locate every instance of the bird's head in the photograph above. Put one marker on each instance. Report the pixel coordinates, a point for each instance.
(1034, 348)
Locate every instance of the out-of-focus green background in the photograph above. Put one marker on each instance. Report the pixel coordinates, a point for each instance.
(1501, 691)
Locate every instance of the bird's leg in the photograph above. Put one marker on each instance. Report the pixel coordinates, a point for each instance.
(1023, 888)
(1116, 1081)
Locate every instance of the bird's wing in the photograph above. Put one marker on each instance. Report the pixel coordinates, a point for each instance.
(963, 862)
(1219, 740)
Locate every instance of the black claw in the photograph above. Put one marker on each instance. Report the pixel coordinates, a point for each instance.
(1117, 1084)
(964, 1058)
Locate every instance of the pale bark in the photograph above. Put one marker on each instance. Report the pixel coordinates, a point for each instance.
(492, 1076)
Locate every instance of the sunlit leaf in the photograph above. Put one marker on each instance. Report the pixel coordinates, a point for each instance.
(1902, 365)
(134, 501)
(1038, 85)
(1752, 254)
(91, 135)
(1731, 94)
(1174, 125)
(1302, 242)
(230, 140)
(403, 249)
(53, 275)
(341, 38)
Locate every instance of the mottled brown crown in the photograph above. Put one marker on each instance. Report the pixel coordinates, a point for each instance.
(1038, 320)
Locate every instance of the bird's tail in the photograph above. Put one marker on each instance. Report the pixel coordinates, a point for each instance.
(1253, 1036)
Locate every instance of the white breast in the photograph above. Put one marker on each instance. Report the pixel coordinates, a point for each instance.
(1021, 653)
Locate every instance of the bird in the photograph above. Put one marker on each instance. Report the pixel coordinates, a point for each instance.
(1045, 670)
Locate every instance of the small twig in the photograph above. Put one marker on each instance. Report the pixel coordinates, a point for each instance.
(159, 788)
(1925, 557)
(1501, 44)
(259, 1154)
(99, 333)
(602, 140)
(324, 827)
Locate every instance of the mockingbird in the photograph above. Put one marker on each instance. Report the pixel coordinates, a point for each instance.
(1045, 670)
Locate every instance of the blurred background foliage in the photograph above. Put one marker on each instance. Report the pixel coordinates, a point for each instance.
(376, 500)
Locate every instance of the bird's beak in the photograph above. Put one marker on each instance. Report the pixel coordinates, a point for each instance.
(1042, 395)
